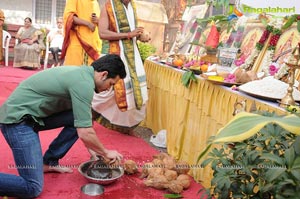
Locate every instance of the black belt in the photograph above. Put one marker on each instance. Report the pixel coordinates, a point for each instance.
(29, 121)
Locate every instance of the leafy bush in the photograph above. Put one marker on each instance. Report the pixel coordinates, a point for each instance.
(265, 165)
(146, 50)
(4, 26)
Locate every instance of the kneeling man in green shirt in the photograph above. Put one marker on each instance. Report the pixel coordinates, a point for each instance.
(53, 98)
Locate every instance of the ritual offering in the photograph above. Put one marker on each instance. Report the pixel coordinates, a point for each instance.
(130, 167)
(243, 76)
(216, 78)
(100, 172)
(164, 172)
(213, 37)
(145, 36)
(99, 169)
(268, 88)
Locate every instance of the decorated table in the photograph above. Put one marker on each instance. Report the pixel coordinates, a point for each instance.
(191, 115)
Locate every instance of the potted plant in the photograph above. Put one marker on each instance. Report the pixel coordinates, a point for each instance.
(259, 157)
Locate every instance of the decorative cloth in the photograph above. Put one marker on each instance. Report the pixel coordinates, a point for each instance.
(131, 93)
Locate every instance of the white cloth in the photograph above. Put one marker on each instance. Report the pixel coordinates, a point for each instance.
(105, 104)
(57, 38)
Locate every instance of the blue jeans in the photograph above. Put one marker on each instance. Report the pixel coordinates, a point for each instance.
(25, 144)
(64, 141)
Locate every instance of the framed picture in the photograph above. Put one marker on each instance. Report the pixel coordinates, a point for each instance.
(285, 45)
(199, 40)
(225, 34)
(185, 37)
(248, 54)
(287, 41)
(189, 27)
(226, 56)
(279, 56)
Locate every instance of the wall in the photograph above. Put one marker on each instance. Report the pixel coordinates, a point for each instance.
(24, 5)
(15, 12)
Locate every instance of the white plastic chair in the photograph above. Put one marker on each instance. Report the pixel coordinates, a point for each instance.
(5, 45)
(47, 52)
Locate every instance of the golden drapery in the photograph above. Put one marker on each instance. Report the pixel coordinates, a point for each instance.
(190, 115)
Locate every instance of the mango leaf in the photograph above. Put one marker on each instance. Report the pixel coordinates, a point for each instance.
(264, 21)
(245, 125)
(289, 22)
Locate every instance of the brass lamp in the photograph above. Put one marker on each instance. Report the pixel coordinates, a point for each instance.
(177, 41)
(293, 63)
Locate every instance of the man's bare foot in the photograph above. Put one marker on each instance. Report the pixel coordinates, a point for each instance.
(56, 169)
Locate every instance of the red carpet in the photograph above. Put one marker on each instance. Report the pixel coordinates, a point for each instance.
(67, 186)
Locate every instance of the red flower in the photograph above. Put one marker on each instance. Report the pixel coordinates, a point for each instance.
(239, 62)
(273, 70)
(230, 78)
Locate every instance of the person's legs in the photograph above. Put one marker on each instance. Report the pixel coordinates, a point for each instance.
(54, 51)
(62, 143)
(27, 152)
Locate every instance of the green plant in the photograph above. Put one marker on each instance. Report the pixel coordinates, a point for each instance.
(4, 26)
(263, 161)
(146, 50)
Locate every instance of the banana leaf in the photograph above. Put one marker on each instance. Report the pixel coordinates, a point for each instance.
(244, 125)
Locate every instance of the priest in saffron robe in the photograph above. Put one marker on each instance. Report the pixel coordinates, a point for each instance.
(82, 44)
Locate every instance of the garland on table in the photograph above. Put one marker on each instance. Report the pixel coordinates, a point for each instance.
(270, 68)
(248, 63)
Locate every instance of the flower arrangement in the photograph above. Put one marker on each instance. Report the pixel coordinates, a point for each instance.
(260, 44)
(276, 33)
(274, 69)
(271, 68)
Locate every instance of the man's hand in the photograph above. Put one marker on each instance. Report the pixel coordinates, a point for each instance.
(113, 156)
(91, 26)
(137, 32)
(95, 19)
(144, 37)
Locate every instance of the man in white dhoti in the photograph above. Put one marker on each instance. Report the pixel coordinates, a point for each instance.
(123, 107)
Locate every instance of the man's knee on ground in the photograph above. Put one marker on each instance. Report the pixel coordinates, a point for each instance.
(34, 190)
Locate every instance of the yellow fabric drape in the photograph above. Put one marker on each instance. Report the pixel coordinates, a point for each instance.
(190, 115)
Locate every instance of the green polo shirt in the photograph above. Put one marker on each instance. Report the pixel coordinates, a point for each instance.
(52, 91)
